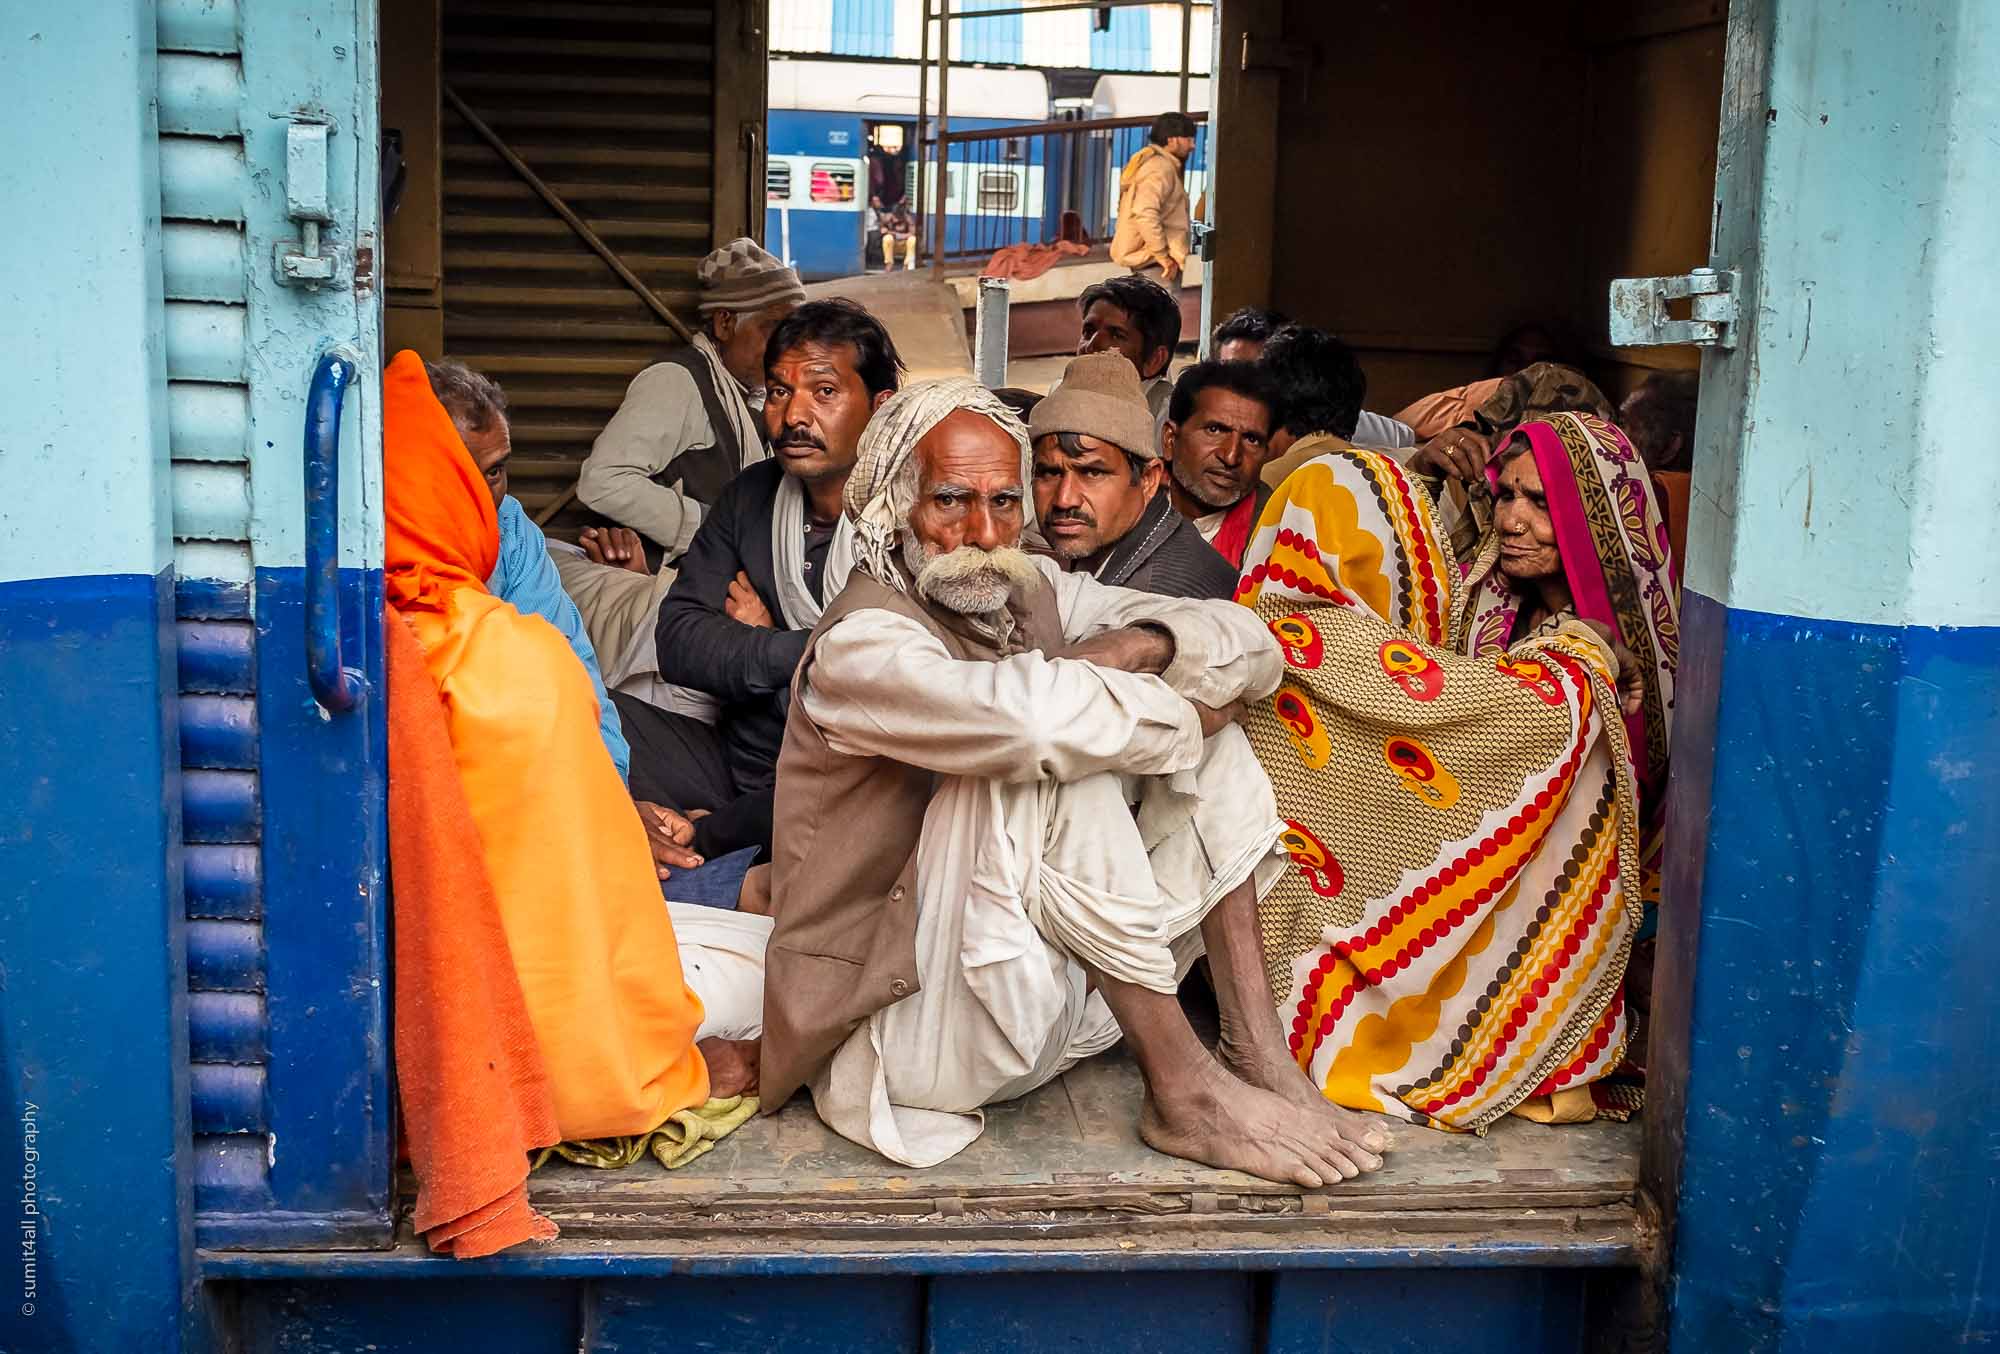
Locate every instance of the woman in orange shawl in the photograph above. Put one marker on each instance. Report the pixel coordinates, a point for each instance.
(571, 869)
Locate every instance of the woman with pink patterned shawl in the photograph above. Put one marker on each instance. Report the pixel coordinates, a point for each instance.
(1575, 479)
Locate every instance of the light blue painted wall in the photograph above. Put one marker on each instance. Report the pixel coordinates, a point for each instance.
(997, 40)
(326, 59)
(1127, 44)
(83, 418)
(864, 27)
(1864, 488)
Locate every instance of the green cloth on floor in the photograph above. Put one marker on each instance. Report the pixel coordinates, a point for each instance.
(679, 1140)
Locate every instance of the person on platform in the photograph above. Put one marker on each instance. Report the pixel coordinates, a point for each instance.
(689, 422)
(1151, 237)
(966, 904)
(1099, 488)
(772, 552)
(899, 232)
(1216, 438)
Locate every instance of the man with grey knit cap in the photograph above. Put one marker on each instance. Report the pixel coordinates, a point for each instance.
(966, 900)
(1098, 487)
(690, 421)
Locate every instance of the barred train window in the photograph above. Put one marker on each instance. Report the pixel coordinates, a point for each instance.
(832, 181)
(999, 190)
(778, 180)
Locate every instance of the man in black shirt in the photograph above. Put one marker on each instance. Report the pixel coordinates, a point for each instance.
(755, 577)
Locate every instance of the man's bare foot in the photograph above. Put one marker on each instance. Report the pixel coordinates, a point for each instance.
(1272, 1070)
(733, 1065)
(1222, 1122)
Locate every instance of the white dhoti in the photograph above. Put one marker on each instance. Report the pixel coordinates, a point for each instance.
(1020, 887)
(722, 959)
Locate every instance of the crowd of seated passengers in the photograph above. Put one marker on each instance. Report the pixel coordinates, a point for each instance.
(1022, 676)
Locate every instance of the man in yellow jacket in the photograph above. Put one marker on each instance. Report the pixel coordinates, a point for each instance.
(1152, 234)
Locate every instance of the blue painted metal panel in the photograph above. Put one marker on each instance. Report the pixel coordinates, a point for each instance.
(449, 1314)
(324, 930)
(219, 806)
(864, 27)
(223, 881)
(211, 599)
(227, 1098)
(727, 1316)
(93, 1015)
(225, 956)
(1839, 1188)
(1201, 1313)
(1127, 45)
(218, 732)
(218, 656)
(1418, 1312)
(226, 1027)
(996, 40)
(232, 1172)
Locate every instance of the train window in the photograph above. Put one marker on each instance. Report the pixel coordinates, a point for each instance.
(832, 181)
(999, 190)
(778, 181)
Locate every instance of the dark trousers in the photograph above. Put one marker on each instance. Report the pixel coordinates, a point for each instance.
(678, 761)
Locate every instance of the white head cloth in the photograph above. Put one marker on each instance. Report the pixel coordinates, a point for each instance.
(880, 495)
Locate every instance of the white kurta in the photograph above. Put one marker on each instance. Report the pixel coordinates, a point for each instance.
(1033, 861)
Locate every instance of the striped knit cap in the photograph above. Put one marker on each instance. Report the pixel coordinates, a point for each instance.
(880, 493)
(742, 277)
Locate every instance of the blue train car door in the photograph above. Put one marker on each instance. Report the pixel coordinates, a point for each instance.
(278, 599)
(1822, 1128)
(192, 1018)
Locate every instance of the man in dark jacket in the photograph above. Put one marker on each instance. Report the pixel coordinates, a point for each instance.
(1099, 492)
(755, 577)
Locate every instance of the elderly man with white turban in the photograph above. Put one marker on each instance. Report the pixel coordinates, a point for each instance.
(1012, 809)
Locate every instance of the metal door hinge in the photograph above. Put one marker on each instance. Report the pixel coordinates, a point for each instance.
(1639, 315)
(307, 261)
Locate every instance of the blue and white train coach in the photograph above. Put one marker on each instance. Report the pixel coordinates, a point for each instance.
(823, 114)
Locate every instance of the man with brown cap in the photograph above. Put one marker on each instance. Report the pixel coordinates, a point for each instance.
(1098, 494)
(689, 422)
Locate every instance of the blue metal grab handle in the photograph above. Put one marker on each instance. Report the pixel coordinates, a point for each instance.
(336, 687)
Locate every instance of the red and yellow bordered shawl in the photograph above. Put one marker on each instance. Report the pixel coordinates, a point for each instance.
(1451, 940)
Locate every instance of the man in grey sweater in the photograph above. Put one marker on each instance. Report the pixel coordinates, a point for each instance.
(690, 421)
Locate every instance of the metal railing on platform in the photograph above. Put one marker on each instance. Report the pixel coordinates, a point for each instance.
(1017, 184)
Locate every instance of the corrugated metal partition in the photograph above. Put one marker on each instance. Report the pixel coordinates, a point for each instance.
(612, 105)
(204, 187)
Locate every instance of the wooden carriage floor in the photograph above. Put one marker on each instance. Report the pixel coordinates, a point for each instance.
(1065, 1167)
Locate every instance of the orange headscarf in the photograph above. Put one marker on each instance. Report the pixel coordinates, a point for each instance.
(577, 890)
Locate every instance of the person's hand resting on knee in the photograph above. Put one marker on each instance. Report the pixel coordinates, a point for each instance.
(669, 834)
